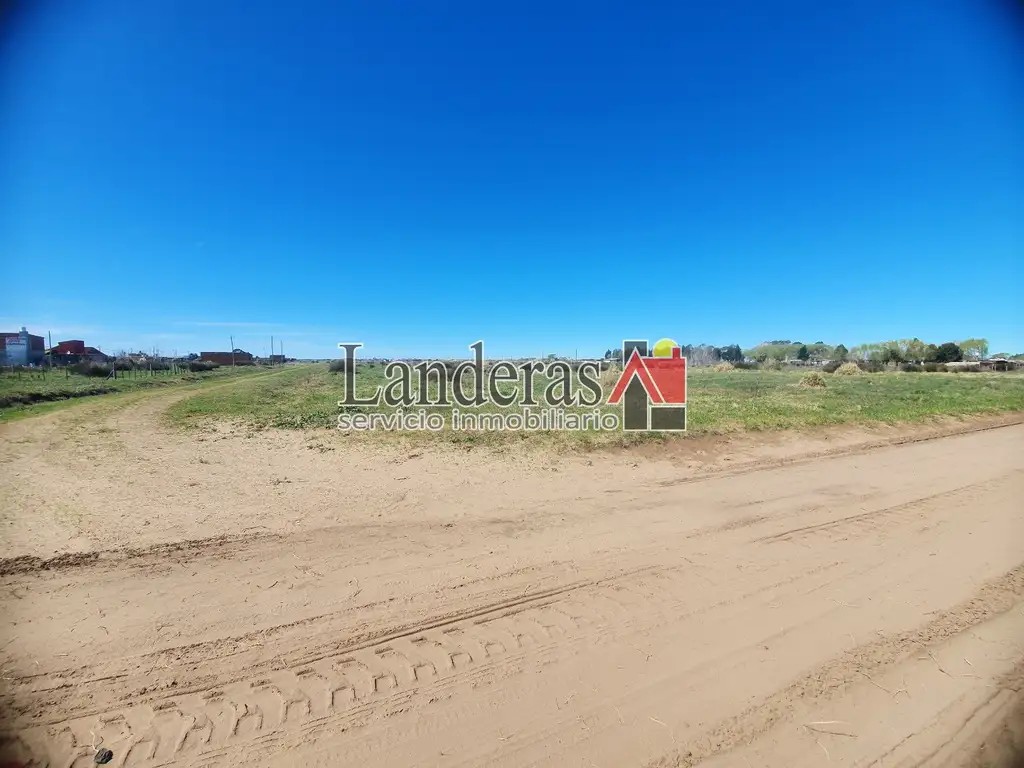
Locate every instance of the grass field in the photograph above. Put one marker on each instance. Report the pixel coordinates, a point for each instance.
(307, 397)
(27, 393)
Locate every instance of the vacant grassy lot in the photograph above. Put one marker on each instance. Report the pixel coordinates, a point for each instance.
(307, 397)
(26, 393)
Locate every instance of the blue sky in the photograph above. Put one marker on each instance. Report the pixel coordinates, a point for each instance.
(547, 176)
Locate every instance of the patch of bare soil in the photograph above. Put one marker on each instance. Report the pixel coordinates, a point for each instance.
(282, 598)
(1003, 745)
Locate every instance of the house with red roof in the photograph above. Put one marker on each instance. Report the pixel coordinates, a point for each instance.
(652, 390)
(74, 351)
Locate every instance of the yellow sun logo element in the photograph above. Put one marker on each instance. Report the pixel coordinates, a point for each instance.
(664, 348)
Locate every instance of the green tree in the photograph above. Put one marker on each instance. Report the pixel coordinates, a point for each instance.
(840, 353)
(802, 353)
(732, 353)
(948, 353)
(892, 354)
(913, 349)
(776, 350)
(974, 348)
(930, 353)
(873, 351)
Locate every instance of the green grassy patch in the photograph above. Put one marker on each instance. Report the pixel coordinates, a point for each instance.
(29, 393)
(307, 397)
(774, 400)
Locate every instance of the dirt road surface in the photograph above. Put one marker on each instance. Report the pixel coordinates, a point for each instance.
(273, 599)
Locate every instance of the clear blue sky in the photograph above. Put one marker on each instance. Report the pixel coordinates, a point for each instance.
(547, 176)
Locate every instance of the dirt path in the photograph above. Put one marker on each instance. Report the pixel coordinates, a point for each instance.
(278, 599)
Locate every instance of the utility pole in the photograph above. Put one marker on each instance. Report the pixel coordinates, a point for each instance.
(232, 351)
(271, 350)
(49, 354)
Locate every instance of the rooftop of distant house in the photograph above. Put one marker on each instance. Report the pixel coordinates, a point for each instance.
(73, 347)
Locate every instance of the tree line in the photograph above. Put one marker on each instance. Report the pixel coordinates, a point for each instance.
(696, 354)
(896, 351)
(916, 351)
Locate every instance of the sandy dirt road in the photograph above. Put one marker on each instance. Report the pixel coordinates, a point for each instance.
(280, 599)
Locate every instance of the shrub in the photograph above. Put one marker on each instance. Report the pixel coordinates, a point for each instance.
(198, 366)
(935, 368)
(847, 369)
(771, 365)
(911, 368)
(337, 366)
(723, 367)
(831, 366)
(89, 368)
(870, 366)
(813, 379)
(964, 367)
(743, 365)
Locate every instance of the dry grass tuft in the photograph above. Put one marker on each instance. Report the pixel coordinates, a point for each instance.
(813, 379)
(847, 369)
(609, 377)
(724, 367)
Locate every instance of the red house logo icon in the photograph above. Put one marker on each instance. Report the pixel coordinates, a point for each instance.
(652, 388)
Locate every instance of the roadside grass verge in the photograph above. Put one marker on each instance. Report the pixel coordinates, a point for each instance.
(31, 393)
(306, 397)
